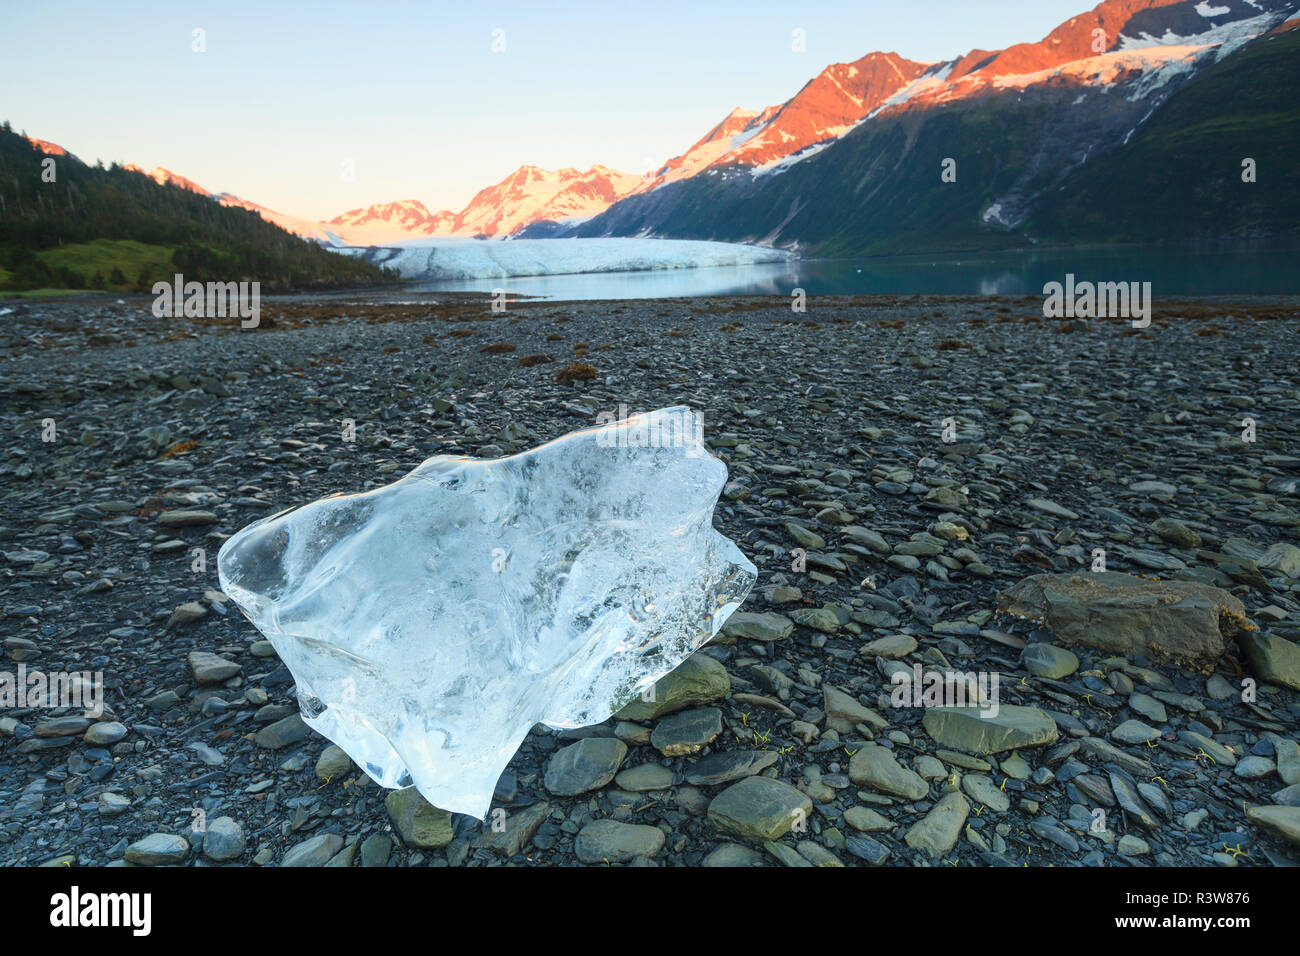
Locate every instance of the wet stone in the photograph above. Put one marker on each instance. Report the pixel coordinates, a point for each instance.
(586, 765)
(687, 732)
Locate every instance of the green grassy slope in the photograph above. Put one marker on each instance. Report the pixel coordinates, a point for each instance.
(1179, 176)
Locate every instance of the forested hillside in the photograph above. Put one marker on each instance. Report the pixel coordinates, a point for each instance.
(96, 227)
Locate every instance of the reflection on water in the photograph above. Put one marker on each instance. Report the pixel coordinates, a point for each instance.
(1218, 269)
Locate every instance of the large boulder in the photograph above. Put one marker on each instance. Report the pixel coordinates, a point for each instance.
(976, 730)
(1183, 621)
(758, 808)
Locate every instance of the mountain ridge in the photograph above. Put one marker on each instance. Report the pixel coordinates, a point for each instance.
(1013, 139)
(119, 229)
(1106, 70)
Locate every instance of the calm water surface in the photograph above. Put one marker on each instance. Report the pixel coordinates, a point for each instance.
(1237, 269)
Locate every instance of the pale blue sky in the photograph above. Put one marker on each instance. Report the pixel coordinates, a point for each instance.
(413, 93)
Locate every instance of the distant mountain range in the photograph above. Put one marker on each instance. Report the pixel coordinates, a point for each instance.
(1036, 134)
(528, 195)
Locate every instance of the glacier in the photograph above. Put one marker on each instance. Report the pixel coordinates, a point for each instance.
(449, 258)
(429, 624)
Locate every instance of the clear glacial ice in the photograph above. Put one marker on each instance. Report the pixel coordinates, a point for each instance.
(430, 623)
(445, 258)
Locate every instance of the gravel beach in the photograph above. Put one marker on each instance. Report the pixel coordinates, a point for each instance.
(909, 474)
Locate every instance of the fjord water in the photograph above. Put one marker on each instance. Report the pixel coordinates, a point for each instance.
(1210, 269)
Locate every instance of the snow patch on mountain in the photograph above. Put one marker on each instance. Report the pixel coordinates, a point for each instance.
(1228, 36)
(925, 84)
(781, 165)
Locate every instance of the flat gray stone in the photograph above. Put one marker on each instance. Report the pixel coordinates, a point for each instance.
(697, 680)
(586, 765)
(758, 808)
(686, 732)
(728, 765)
(969, 729)
(1221, 755)
(648, 776)
(376, 850)
(1288, 759)
(1130, 801)
(891, 647)
(333, 763)
(1134, 732)
(210, 668)
(866, 820)
(609, 841)
(766, 626)
(937, 832)
(983, 791)
(223, 840)
(874, 766)
(1148, 707)
(186, 517)
(315, 851)
(1048, 660)
(1284, 821)
(844, 712)
(1049, 507)
(514, 832)
(284, 732)
(817, 619)
(733, 854)
(104, 733)
(1272, 659)
(1132, 846)
(1253, 767)
(158, 849)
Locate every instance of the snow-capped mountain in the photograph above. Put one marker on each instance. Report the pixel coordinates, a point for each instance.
(1085, 88)
(738, 126)
(305, 228)
(867, 138)
(531, 194)
(1158, 39)
(528, 195)
(827, 106)
(406, 218)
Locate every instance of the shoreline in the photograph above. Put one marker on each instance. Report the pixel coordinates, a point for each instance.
(832, 426)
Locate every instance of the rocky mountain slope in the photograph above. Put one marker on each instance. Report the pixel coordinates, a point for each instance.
(855, 160)
(1018, 126)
